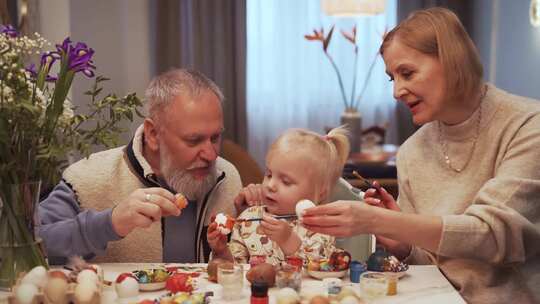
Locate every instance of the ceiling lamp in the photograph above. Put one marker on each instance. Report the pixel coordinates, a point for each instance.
(350, 8)
(535, 12)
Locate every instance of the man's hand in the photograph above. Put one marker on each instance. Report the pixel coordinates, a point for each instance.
(216, 240)
(141, 208)
(249, 196)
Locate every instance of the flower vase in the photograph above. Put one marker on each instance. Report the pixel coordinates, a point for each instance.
(353, 121)
(20, 246)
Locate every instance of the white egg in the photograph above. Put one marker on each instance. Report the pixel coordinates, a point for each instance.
(346, 291)
(287, 295)
(308, 294)
(56, 290)
(303, 205)
(37, 276)
(128, 288)
(87, 275)
(84, 291)
(26, 292)
(349, 300)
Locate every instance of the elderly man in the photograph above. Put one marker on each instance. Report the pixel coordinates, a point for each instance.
(118, 205)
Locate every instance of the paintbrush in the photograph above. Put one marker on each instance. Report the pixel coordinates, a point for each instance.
(278, 217)
(366, 182)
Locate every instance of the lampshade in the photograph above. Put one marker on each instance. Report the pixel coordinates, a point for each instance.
(535, 12)
(347, 8)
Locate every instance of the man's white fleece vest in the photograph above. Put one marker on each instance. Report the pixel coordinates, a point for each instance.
(106, 178)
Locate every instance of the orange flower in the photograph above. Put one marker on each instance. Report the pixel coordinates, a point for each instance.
(351, 104)
(319, 35)
(350, 36)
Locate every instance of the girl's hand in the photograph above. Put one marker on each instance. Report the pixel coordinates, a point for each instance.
(277, 230)
(216, 240)
(248, 196)
(281, 232)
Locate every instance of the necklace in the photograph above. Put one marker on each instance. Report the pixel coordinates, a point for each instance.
(444, 144)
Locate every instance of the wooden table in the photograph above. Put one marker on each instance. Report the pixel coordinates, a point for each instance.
(421, 284)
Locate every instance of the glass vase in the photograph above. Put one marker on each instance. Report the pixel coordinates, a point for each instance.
(20, 247)
(353, 120)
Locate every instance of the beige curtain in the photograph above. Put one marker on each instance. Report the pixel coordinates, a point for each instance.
(210, 36)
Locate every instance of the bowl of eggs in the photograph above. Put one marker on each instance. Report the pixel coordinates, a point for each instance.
(334, 267)
(151, 279)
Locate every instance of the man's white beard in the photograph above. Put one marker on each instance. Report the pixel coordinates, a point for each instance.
(183, 182)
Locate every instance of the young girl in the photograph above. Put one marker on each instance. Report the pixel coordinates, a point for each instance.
(300, 165)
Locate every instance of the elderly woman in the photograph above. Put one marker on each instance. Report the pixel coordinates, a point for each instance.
(469, 178)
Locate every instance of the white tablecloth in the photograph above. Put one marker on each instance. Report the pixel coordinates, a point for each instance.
(421, 284)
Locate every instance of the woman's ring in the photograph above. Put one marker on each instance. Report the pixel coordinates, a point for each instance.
(148, 197)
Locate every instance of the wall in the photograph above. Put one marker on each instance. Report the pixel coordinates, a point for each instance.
(117, 30)
(509, 45)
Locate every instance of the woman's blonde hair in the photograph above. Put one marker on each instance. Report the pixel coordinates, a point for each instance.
(438, 32)
(327, 154)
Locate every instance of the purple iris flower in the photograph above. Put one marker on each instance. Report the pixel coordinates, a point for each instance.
(8, 30)
(32, 70)
(79, 57)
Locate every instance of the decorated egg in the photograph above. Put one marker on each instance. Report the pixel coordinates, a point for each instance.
(180, 201)
(392, 264)
(37, 276)
(224, 223)
(313, 265)
(160, 275)
(303, 205)
(126, 285)
(26, 292)
(325, 265)
(340, 260)
(179, 282)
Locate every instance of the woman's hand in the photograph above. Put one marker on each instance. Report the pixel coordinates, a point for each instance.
(340, 218)
(249, 196)
(281, 232)
(216, 240)
(379, 197)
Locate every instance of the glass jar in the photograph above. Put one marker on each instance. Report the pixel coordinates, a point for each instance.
(373, 285)
(231, 279)
(289, 276)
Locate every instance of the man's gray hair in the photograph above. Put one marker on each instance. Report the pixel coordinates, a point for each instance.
(178, 82)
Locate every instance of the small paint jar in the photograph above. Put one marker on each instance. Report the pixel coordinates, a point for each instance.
(355, 270)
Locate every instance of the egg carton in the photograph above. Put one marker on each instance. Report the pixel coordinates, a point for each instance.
(41, 297)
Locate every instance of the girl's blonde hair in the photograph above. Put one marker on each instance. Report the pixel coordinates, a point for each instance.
(438, 32)
(327, 154)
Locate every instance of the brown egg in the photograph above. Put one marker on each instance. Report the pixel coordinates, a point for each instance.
(263, 272)
(319, 300)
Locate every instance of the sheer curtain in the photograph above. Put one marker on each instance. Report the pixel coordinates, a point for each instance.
(290, 83)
